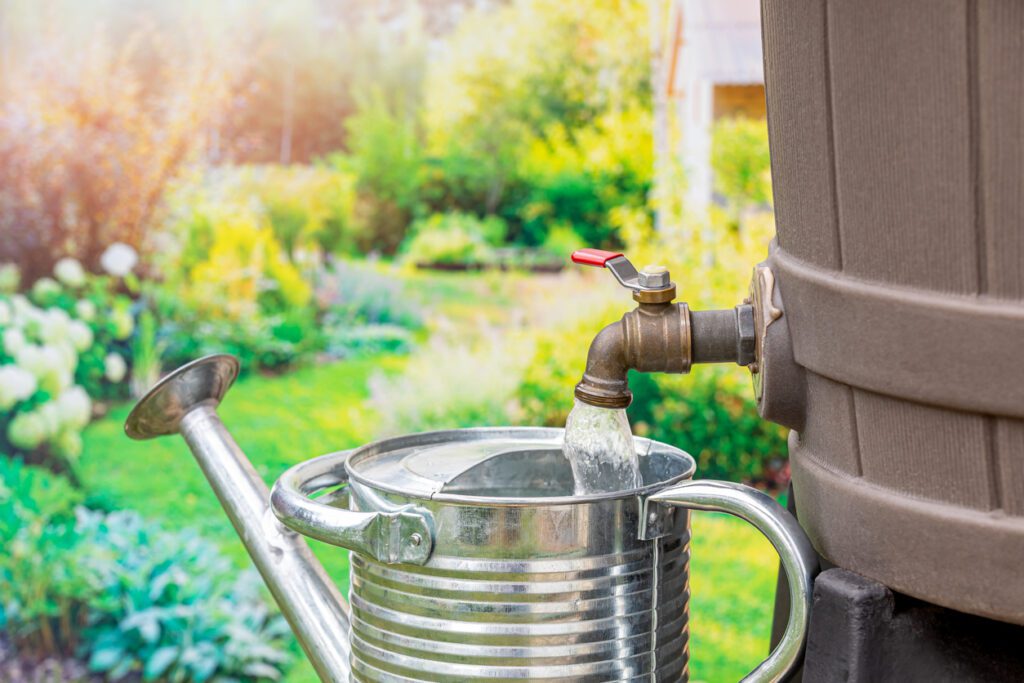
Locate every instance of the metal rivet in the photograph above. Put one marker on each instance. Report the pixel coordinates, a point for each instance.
(416, 539)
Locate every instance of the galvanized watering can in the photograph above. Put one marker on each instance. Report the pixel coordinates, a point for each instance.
(471, 558)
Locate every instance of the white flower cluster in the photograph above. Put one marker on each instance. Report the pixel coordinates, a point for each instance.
(39, 352)
(44, 345)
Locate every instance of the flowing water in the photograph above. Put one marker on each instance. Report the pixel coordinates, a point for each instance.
(599, 446)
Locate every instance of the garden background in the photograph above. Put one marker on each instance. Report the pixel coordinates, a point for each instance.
(372, 205)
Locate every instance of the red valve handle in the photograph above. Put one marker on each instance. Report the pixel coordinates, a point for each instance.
(593, 257)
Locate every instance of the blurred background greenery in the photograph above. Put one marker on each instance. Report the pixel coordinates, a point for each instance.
(371, 204)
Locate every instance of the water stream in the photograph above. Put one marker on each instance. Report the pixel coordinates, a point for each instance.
(599, 446)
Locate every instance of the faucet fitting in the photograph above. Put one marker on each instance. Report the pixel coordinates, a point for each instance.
(660, 335)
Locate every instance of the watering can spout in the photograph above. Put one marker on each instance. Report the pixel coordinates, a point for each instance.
(185, 403)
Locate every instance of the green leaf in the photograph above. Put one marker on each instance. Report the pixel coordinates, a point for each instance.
(104, 659)
(160, 661)
(261, 670)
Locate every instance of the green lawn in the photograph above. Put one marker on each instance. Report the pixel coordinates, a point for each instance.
(282, 420)
(278, 421)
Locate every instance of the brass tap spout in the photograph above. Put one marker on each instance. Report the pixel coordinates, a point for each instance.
(651, 338)
(660, 335)
(605, 382)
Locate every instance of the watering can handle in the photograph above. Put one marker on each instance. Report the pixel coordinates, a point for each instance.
(392, 534)
(799, 560)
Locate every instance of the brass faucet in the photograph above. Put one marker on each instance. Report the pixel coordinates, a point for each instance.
(659, 335)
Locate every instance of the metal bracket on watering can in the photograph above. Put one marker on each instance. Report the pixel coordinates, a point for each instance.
(656, 519)
(381, 529)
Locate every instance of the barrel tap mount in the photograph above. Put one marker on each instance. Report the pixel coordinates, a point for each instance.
(663, 335)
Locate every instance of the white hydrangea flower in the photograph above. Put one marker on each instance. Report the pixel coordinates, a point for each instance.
(22, 307)
(30, 357)
(16, 384)
(74, 408)
(6, 313)
(119, 259)
(114, 367)
(54, 326)
(70, 272)
(50, 415)
(68, 356)
(80, 335)
(26, 431)
(85, 310)
(13, 341)
(45, 288)
(48, 364)
(124, 325)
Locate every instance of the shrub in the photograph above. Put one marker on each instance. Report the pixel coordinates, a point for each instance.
(87, 145)
(230, 286)
(168, 605)
(246, 273)
(308, 208)
(741, 163)
(365, 310)
(509, 73)
(130, 598)
(60, 346)
(104, 303)
(386, 157)
(577, 177)
(360, 293)
(39, 594)
(560, 242)
(454, 238)
(269, 342)
(246, 246)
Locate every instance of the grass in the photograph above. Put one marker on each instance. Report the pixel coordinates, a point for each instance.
(732, 580)
(278, 421)
(282, 420)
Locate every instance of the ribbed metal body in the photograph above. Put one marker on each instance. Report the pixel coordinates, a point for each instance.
(618, 616)
(549, 588)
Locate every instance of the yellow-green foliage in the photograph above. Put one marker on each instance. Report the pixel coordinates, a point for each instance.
(510, 73)
(245, 267)
(616, 142)
(247, 235)
(740, 160)
(309, 207)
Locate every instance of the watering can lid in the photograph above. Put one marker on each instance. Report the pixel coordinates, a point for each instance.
(421, 465)
(503, 465)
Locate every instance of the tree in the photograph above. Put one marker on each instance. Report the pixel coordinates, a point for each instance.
(88, 144)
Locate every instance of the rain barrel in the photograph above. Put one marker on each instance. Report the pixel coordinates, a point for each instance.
(897, 145)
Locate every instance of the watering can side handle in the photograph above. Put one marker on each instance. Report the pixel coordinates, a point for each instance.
(797, 556)
(399, 534)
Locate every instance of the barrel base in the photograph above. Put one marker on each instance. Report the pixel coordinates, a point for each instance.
(862, 632)
(935, 552)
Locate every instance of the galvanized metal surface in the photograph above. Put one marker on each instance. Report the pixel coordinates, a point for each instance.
(526, 580)
(517, 586)
(799, 562)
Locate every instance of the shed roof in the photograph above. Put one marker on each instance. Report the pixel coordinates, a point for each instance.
(719, 41)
